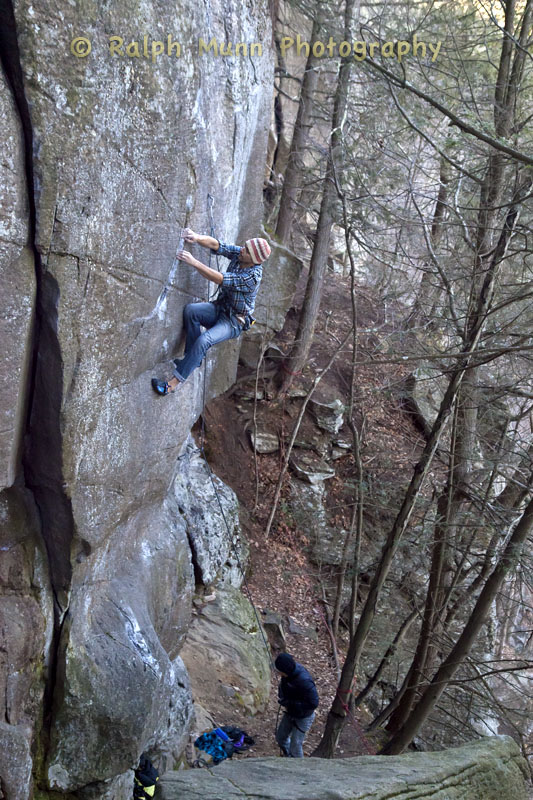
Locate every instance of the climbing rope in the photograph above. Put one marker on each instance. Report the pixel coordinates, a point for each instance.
(236, 554)
(235, 551)
(210, 203)
(350, 715)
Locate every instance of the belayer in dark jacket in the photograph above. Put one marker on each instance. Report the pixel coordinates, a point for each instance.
(298, 695)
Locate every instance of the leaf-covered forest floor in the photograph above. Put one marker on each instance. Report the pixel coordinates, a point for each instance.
(281, 575)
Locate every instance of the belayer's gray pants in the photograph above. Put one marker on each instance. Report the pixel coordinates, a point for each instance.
(291, 733)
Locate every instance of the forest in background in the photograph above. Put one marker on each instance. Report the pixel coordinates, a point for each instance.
(413, 177)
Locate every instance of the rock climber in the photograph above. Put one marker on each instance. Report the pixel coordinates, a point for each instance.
(298, 695)
(229, 314)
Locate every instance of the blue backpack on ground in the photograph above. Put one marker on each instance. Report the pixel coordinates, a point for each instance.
(222, 743)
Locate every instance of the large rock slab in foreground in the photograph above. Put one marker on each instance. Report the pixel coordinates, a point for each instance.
(488, 769)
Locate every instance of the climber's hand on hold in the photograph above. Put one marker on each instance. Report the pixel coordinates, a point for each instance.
(187, 257)
(206, 272)
(189, 235)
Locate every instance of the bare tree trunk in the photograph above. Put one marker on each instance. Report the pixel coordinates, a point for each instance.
(457, 487)
(336, 716)
(313, 293)
(447, 524)
(481, 306)
(400, 635)
(356, 522)
(341, 574)
(418, 668)
(358, 529)
(296, 164)
(386, 712)
(426, 300)
(463, 645)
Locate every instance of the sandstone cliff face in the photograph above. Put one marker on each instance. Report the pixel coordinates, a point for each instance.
(104, 159)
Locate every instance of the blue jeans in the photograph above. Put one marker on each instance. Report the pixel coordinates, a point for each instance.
(220, 326)
(291, 733)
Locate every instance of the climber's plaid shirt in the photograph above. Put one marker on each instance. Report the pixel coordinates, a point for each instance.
(239, 286)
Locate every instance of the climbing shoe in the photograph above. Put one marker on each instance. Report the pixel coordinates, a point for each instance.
(160, 387)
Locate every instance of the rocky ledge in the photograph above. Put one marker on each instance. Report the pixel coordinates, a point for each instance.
(488, 769)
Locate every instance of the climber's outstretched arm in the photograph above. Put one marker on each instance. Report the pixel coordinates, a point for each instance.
(204, 241)
(207, 272)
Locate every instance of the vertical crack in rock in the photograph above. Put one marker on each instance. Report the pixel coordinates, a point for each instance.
(42, 458)
(197, 569)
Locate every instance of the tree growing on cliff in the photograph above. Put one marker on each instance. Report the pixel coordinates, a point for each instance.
(304, 336)
(295, 170)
